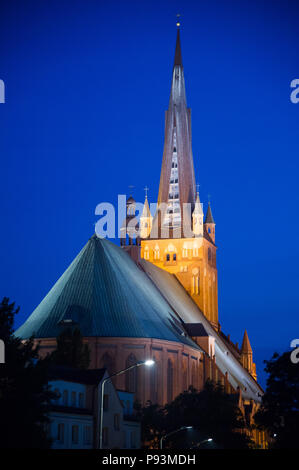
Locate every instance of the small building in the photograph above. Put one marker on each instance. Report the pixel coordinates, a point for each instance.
(75, 413)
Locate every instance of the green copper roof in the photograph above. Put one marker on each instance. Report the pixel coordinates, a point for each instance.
(105, 293)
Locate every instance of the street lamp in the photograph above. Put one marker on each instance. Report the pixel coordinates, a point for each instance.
(147, 362)
(173, 432)
(206, 440)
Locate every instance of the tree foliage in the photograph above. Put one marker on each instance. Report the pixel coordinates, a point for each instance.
(24, 392)
(212, 413)
(279, 412)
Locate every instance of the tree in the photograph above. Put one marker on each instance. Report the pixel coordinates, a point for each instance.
(70, 350)
(279, 412)
(24, 393)
(152, 423)
(212, 413)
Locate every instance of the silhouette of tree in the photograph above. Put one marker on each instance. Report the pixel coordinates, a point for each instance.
(212, 413)
(279, 412)
(70, 350)
(24, 393)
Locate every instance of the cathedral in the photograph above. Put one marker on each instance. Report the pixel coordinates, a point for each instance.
(156, 295)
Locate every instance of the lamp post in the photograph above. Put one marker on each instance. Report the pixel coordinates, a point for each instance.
(148, 363)
(173, 432)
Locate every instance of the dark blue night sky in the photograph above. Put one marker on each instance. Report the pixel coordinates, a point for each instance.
(87, 84)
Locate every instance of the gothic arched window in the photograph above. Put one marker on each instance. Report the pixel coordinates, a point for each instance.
(193, 375)
(170, 374)
(146, 253)
(195, 281)
(131, 375)
(184, 377)
(157, 252)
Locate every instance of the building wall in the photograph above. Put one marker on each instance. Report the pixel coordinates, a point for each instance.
(193, 261)
(177, 366)
(68, 421)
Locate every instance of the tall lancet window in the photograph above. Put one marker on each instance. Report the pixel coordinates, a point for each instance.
(131, 375)
(173, 216)
(169, 381)
(195, 281)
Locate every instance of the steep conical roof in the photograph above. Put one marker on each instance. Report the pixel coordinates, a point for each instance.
(197, 206)
(178, 53)
(209, 216)
(246, 347)
(146, 210)
(104, 293)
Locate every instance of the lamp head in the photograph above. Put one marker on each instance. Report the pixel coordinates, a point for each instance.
(149, 362)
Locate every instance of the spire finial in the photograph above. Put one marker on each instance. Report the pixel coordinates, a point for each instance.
(178, 22)
(146, 191)
(131, 187)
(197, 188)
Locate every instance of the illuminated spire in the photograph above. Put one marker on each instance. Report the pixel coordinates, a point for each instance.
(177, 180)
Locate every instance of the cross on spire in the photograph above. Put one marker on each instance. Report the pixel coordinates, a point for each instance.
(146, 190)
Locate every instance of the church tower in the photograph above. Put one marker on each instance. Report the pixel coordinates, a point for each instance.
(178, 241)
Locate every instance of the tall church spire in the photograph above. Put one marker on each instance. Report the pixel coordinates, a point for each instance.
(177, 180)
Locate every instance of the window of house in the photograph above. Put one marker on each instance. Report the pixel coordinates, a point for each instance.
(105, 436)
(65, 398)
(106, 402)
(57, 394)
(75, 434)
(81, 400)
(116, 422)
(87, 435)
(73, 399)
(60, 433)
